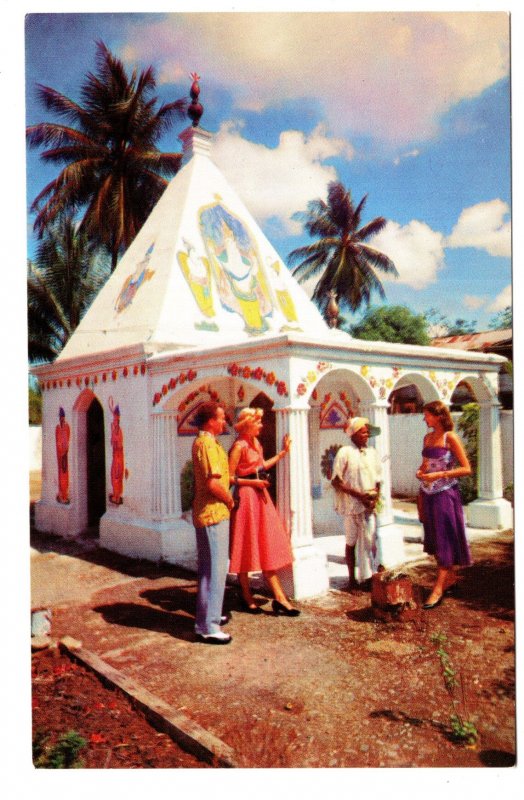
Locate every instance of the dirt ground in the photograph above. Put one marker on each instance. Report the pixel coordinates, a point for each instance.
(334, 687)
(67, 697)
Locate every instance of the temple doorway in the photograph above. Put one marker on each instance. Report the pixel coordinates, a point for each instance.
(268, 435)
(96, 464)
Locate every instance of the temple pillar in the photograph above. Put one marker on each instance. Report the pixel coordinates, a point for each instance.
(165, 497)
(490, 509)
(390, 535)
(314, 451)
(307, 576)
(162, 534)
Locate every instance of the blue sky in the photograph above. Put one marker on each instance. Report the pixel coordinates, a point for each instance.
(417, 118)
(412, 109)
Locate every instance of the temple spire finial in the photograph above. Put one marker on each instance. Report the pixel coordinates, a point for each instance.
(195, 109)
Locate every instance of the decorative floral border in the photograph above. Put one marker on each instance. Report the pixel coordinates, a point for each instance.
(312, 377)
(383, 384)
(186, 408)
(173, 382)
(92, 379)
(258, 374)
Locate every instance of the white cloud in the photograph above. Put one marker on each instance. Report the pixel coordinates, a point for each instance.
(346, 62)
(502, 300)
(276, 182)
(473, 302)
(402, 156)
(416, 250)
(483, 226)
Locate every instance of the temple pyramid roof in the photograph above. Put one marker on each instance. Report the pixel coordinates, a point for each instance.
(200, 273)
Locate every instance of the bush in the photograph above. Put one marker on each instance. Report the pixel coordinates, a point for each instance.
(35, 406)
(468, 425)
(187, 485)
(63, 755)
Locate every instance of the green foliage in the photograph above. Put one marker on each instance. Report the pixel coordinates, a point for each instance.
(64, 279)
(468, 425)
(111, 168)
(392, 324)
(62, 755)
(187, 485)
(435, 318)
(509, 494)
(463, 731)
(344, 264)
(502, 319)
(35, 406)
(461, 326)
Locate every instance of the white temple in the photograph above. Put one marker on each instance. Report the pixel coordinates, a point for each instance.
(201, 306)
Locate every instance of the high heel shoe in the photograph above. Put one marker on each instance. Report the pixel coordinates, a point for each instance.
(280, 608)
(434, 604)
(249, 609)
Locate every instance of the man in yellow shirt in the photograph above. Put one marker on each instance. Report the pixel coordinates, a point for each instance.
(212, 505)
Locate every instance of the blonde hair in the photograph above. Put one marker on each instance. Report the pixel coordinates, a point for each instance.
(247, 417)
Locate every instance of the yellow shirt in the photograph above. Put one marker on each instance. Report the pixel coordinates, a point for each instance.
(209, 460)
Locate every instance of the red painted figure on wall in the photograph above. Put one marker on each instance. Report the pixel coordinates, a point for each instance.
(63, 436)
(118, 470)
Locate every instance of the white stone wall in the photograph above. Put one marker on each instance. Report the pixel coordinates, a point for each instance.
(407, 432)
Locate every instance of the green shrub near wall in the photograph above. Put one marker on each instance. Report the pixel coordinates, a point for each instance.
(187, 485)
(468, 425)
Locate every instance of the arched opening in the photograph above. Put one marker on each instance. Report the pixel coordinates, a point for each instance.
(95, 463)
(406, 400)
(462, 394)
(268, 435)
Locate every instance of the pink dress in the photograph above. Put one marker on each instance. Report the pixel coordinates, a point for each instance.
(258, 538)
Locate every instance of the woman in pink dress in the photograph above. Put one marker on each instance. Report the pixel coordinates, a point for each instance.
(259, 541)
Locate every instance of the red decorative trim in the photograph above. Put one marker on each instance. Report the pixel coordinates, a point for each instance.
(187, 409)
(259, 374)
(180, 379)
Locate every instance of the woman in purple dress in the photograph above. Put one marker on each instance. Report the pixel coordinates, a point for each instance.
(443, 461)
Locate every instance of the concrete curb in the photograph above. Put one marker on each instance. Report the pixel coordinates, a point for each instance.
(186, 733)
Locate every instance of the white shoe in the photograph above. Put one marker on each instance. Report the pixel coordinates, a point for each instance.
(214, 638)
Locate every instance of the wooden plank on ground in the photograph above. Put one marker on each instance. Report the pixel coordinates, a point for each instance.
(187, 733)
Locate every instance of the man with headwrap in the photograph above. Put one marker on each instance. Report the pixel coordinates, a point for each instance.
(356, 479)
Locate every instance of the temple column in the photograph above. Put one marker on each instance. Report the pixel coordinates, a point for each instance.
(307, 576)
(165, 497)
(378, 415)
(390, 535)
(490, 509)
(314, 450)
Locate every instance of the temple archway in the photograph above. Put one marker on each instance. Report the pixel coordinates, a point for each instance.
(268, 435)
(90, 479)
(95, 463)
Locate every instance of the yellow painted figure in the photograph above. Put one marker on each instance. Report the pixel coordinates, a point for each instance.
(197, 272)
(285, 301)
(239, 275)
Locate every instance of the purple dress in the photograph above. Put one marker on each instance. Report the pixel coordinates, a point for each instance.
(444, 527)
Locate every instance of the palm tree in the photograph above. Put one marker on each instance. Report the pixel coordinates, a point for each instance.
(114, 173)
(349, 266)
(64, 279)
